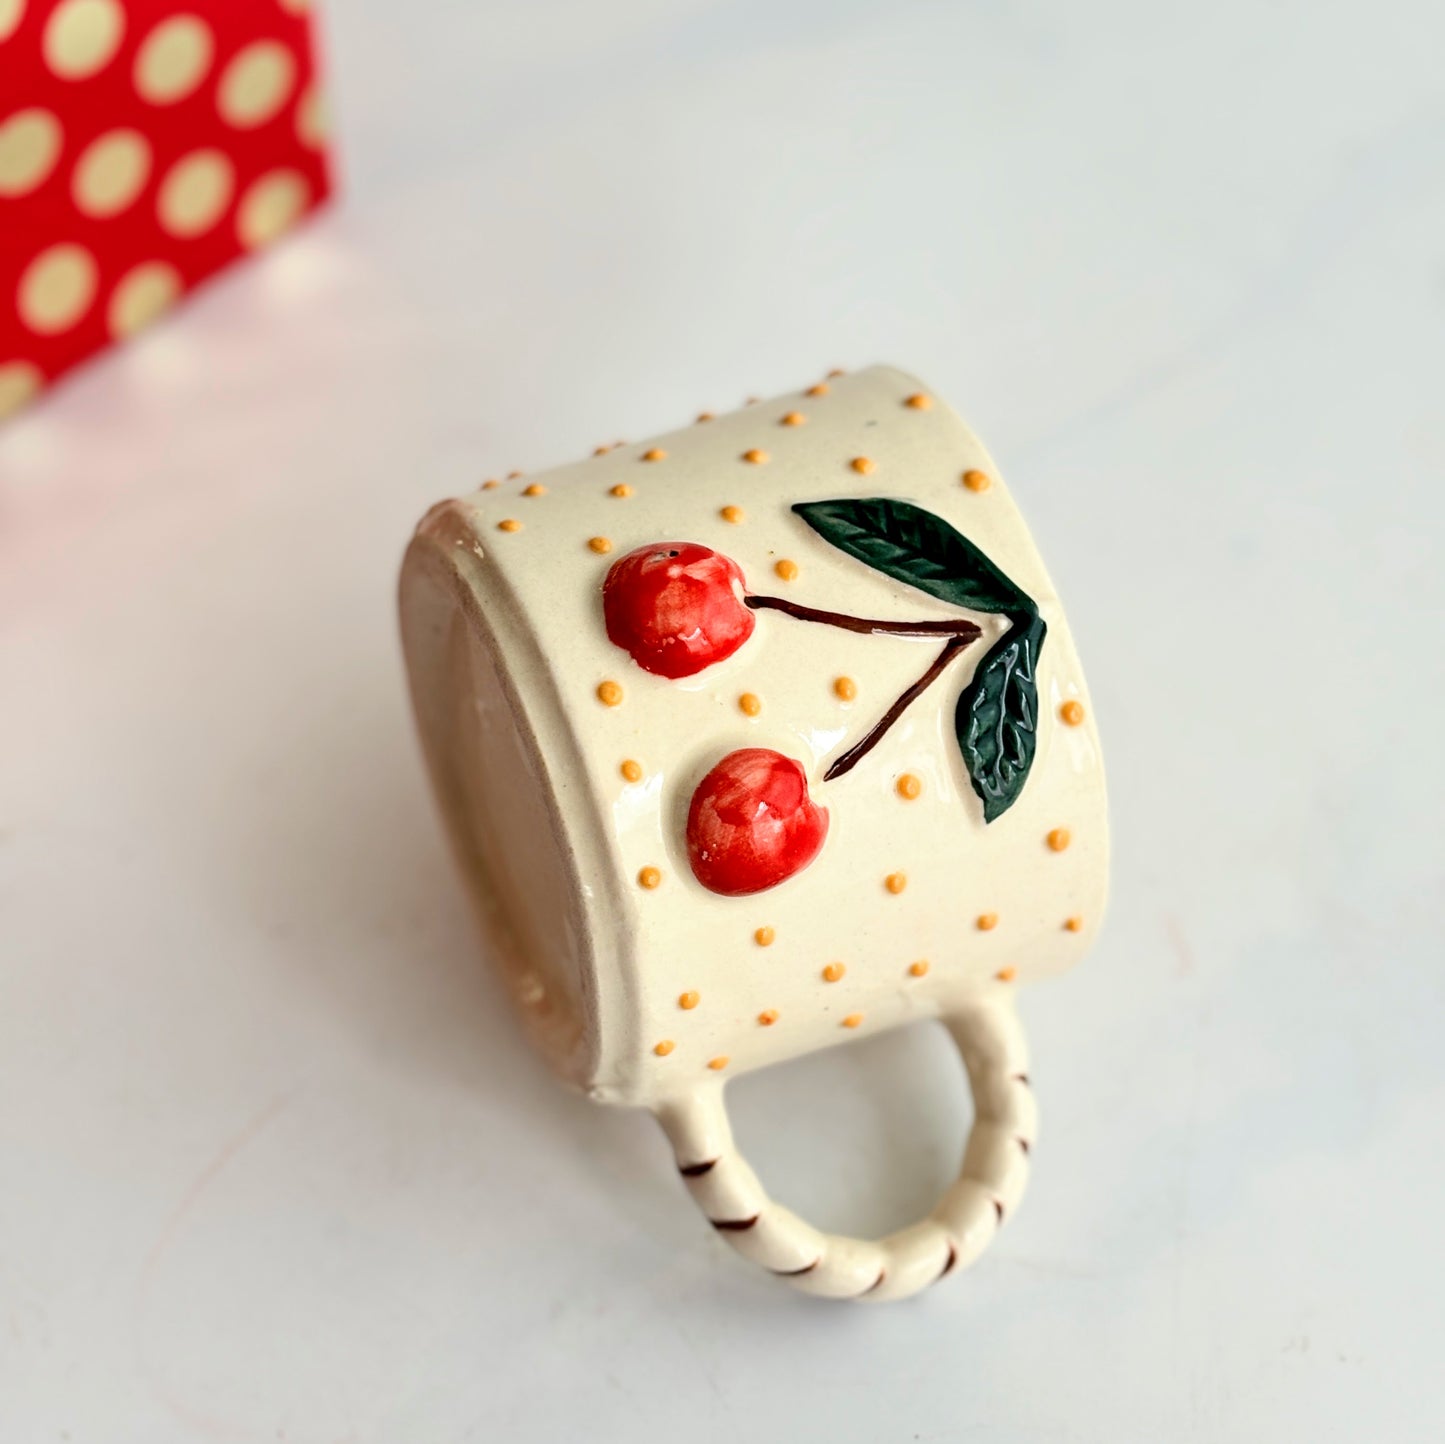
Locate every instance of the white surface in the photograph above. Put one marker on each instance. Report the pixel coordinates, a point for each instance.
(272, 1164)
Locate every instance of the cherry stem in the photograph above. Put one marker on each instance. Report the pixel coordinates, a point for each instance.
(961, 631)
(855, 754)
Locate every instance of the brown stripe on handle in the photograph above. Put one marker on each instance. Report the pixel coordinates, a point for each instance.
(1022, 1078)
(877, 1283)
(997, 1208)
(696, 1170)
(947, 1269)
(794, 1273)
(1024, 1144)
(733, 1225)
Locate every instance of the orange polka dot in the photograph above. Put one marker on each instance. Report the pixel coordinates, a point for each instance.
(793, 418)
(821, 389)
(631, 770)
(833, 972)
(755, 457)
(621, 489)
(649, 877)
(919, 402)
(663, 1048)
(845, 688)
(509, 524)
(764, 937)
(490, 485)
(599, 544)
(768, 1017)
(787, 570)
(704, 416)
(733, 514)
(1006, 975)
(1074, 924)
(852, 1020)
(609, 693)
(976, 480)
(1072, 712)
(909, 787)
(986, 922)
(863, 465)
(1058, 839)
(750, 703)
(654, 453)
(688, 1001)
(918, 969)
(534, 489)
(719, 1063)
(895, 882)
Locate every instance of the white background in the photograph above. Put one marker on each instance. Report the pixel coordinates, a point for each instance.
(273, 1165)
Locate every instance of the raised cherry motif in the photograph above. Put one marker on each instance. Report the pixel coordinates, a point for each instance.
(676, 607)
(751, 824)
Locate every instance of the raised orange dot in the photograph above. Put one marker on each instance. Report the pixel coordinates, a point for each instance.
(845, 688)
(835, 372)
(768, 1017)
(599, 544)
(1006, 975)
(793, 418)
(649, 877)
(976, 480)
(621, 489)
(833, 972)
(895, 882)
(918, 969)
(535, 489)
(756, 457)
(490, 485)
(719, 1063)
(704, 415)
(688, 1001)
(764, 937)
(787, 570)
(1058, 839)
(821, 389)
(910, 787)
(654, 453)
(631, 770)
(852, 1020)
(1072, 712)
(986, 922)
(733, 514)
(663, 1048)
(1074, 924)
(600, 450)
(751, 703)
(515, 475)
(863, 465)
(609, 693)
(509, 524)
(919, 402)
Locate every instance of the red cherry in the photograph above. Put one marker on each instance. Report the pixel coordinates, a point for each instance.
(751, 824)
(677, 607)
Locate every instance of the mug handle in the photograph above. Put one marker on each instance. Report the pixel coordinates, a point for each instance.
(963, 1223)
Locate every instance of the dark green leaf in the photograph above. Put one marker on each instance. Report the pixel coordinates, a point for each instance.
(912, 545)
(998, 716)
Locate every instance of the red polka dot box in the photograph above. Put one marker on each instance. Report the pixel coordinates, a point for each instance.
(144, 144)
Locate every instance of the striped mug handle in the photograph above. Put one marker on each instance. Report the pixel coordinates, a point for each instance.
(963, 1223)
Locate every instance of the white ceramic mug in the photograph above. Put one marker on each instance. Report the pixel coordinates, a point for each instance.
(758, 737)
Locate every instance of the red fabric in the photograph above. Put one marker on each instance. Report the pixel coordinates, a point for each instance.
(89, 106)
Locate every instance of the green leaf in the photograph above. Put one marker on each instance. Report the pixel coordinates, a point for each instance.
(997, 717)
(912, 545)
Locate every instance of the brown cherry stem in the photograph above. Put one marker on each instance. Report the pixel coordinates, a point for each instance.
(860, 749)
(961, 631)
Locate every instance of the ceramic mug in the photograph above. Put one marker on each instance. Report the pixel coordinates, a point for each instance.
(761, 736)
